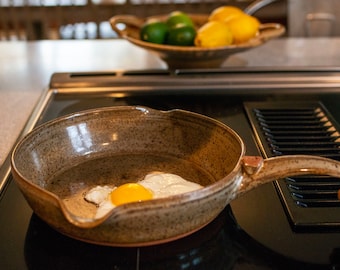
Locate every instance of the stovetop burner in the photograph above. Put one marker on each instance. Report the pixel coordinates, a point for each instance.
(257, 231)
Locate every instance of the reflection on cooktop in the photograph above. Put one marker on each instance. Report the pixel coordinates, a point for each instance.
(219, 245)
(211, 247)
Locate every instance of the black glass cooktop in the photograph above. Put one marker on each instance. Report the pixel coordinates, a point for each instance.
(253, 232)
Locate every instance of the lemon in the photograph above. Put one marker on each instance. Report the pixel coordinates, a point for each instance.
(225, 13)
(213, 34)
(154, 31)
(243, 28)
(181, 35)
(178, 17)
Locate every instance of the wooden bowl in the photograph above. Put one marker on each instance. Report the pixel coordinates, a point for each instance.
(189, 56)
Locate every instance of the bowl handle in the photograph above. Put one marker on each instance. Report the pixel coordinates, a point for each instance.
(128, 20)
(258, 171)
(270, 30)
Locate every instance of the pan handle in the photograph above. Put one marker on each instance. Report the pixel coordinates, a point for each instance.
(258, 171)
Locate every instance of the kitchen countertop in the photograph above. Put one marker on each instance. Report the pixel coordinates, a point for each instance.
(26, 68)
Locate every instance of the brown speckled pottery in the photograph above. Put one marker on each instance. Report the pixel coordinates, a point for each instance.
(58, 161)
(189, 56)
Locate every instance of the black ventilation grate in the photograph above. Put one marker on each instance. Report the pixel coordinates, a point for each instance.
(288, 129)
(299, 131)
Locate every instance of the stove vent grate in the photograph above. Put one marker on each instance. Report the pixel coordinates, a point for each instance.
(287, 129)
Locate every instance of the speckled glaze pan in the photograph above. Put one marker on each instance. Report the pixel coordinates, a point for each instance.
(60, 160)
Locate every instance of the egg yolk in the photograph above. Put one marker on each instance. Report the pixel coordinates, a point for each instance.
(130, 192)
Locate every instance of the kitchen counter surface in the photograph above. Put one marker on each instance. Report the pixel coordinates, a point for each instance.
(26, 68)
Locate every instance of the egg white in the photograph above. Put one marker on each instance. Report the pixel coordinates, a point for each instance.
(166, 184)
(161, 185)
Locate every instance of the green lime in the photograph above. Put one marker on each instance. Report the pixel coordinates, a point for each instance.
(154, 31)
(178, 17)
(181, 35)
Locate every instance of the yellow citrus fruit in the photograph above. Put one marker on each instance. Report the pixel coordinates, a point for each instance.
(243, 28)
(225, 13)
(213, 34)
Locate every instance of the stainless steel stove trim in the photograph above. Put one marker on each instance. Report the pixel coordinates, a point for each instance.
(221, 81)
(5, 169)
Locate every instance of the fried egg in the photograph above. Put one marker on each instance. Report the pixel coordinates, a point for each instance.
(154, 185)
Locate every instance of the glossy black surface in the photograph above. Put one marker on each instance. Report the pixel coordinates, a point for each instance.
(252, 233)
